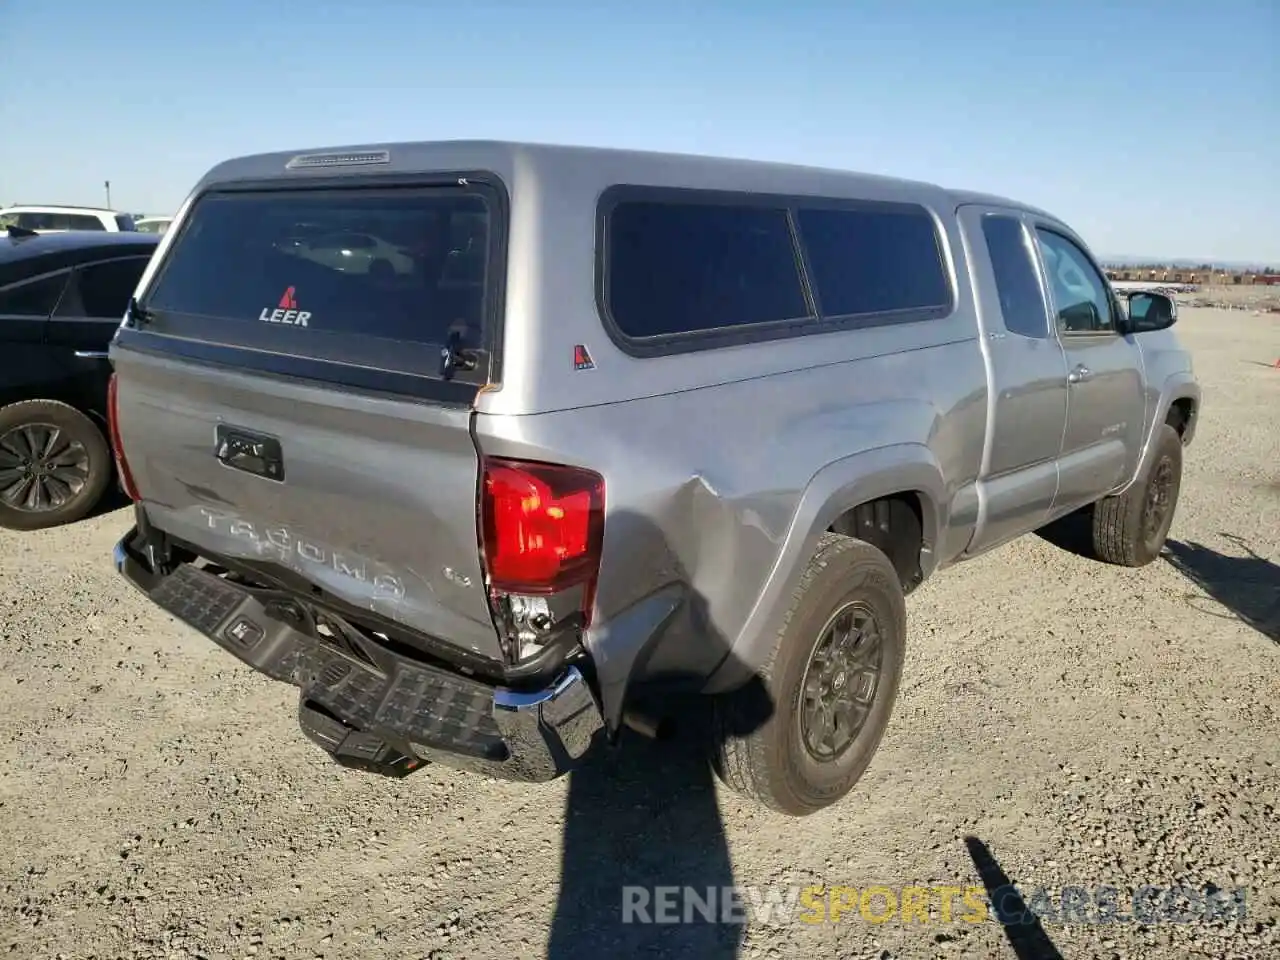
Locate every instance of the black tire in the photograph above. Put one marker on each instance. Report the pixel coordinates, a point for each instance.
(74, 481)
(1130, 530)
(770, 761)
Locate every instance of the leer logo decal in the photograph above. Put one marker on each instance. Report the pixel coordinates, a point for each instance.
(581, 359)
(287, 312)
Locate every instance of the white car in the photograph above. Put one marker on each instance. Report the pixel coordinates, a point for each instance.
(153, 224)
(355, 253)
(53, 218)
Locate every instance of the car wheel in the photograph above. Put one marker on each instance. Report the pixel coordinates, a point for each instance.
(831, 682)
(54, 465)
(1130, 530)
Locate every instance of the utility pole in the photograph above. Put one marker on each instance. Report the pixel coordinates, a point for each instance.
(107, 184)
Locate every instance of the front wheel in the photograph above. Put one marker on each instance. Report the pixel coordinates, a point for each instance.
(831, 682)
(54, 465)
(1130, 530)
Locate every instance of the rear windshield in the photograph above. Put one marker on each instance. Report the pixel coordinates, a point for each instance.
(372, 277)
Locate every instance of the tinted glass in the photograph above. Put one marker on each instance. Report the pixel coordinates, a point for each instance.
(105, 288)
(125, 222)
(1081, 295)
(34, 298)
(875, 261)
(344, 241)
(80, 221)
(1021, 302)
(269, 260)
(683, 267)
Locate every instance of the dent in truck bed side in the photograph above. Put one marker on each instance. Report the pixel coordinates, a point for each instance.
(862, 477)
(703, 513)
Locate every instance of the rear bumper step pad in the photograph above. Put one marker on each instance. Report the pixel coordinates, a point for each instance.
(389, 713)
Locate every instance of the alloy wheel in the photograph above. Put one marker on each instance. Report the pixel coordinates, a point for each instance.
(840, 681)
(42, 467)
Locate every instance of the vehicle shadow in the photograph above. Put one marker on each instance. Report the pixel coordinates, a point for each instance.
(1022, 928)
(636, 821)
(643, 816)
(1248, 586)
(1072, 533)
(112, 500)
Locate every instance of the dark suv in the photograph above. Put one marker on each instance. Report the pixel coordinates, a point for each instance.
(61, 298)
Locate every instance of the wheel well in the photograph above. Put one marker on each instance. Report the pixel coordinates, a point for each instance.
(70, 392)
(74, 401)
(71, 399)
(893, 525)
(1180, 414)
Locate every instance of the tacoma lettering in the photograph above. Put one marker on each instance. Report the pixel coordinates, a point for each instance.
(281, 542)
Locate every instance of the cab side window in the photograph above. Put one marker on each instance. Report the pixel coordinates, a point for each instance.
(1081, 294)
(1013, 263)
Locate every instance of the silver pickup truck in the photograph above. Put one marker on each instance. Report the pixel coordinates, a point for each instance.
(494, 449)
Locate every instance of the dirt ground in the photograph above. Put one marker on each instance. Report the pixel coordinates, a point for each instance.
(1062, 723)
(1253, 297)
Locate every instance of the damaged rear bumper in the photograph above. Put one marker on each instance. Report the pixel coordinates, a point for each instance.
(370, 707)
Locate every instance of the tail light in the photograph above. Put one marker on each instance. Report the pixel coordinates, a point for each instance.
(117, 448)
(541, 529)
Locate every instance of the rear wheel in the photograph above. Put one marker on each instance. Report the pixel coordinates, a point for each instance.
(54, 465)
(1130, 530)
(831, 682)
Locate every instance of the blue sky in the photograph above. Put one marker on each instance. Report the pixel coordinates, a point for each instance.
(1153, 128)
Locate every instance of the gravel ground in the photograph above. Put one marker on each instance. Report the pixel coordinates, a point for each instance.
(1062, 723)
(1235, 297)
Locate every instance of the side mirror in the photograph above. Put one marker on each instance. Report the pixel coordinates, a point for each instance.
(1150, 311)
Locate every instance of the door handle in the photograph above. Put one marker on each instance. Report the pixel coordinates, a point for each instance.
(249, 452)
(1080, 374)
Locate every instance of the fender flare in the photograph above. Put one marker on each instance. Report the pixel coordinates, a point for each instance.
(1176, 386)
(837, 487)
